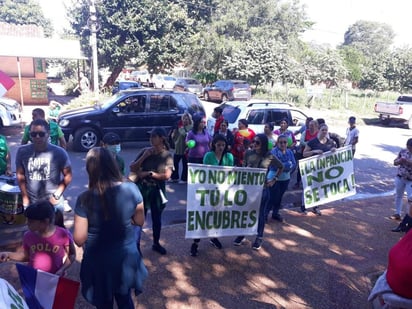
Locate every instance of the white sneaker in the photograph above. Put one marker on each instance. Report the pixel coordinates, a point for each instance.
(66, 206)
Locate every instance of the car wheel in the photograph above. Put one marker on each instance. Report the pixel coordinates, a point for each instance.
(224, 98)
(206, 96)
(85, 139)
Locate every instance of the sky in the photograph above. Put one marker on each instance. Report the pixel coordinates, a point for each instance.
(332, 17)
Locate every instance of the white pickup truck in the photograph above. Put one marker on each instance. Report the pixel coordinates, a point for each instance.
(401, 109)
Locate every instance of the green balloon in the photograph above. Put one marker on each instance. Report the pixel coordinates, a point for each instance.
(191, 143)
(270, 144)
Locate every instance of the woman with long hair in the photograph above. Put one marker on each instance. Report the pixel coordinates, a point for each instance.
(224, 130)
(179, 137)
(260, 157)
(198, 140)
(281, 182)
(103, 224)
(152, 167)
(310, 133)
(219, 155)
(320, 144)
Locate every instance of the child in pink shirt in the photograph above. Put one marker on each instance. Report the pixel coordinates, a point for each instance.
(45, 246)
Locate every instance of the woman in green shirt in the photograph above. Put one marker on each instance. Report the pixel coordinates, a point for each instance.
(219, 155)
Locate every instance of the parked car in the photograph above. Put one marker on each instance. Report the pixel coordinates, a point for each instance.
(142, 77)
(259, 112)
(125, 84)
(164, 81)
(189, 84)
(227, 90)
(130, 113)
(10, 112)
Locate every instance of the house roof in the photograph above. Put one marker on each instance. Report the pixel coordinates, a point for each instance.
(40, 48)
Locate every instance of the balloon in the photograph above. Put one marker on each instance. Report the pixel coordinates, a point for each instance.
(244, 133)
(191, 143)
(270, 144)
(290, 141)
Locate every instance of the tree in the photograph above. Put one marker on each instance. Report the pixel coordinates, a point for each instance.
(25, 12)
(235, 24)
(371, 38)
(324, 65)
(136, 32)
(354, 61)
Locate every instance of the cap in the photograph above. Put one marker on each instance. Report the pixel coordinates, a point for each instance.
(40, 211)
(352, 119)
(158, 132)
(111, 138)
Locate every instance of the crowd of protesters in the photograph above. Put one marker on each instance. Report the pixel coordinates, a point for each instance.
(110, 214)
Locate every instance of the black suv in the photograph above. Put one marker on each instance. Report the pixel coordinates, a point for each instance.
(227, 90)
(129, 113)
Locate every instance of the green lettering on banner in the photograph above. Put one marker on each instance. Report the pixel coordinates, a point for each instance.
(312, 196)
(190, 217)
(334, 172)
(253, 218)
(339, 187)
(235, 219)
(208, 220)
(226, 220)
(331, 173)
(244, 219)
(202, 193)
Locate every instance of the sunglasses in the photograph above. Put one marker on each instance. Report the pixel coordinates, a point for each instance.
(256, 142)
(282, 142)
(40, 134)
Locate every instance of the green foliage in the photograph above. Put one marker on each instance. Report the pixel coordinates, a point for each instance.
(370, 38)
(24, 12)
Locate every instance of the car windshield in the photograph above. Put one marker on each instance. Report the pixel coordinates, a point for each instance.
(230, 113)
(192, 102)
(192, 82)
(169, 78)
(109, 101)
(240, 85)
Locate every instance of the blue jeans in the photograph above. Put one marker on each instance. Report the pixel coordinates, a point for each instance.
(276, 193)
(401, 185)
(262, 218)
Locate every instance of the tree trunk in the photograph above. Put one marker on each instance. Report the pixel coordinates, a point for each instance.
(112, 78)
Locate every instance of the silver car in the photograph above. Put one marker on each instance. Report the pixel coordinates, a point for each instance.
(189, 84)
(10, 112)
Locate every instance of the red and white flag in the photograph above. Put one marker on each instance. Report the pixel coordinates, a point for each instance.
(44, 290)
(5, 83)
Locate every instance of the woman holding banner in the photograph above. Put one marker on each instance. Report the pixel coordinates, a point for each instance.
(320, 144)
(260, 157)
(219, 155)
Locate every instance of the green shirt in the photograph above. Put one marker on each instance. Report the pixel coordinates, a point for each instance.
(210, 159)
(4, 149)
(55, 133)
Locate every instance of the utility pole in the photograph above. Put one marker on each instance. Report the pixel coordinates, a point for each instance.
(94, 26)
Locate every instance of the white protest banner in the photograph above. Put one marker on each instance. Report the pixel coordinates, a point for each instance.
(223, 200)
(327, 177)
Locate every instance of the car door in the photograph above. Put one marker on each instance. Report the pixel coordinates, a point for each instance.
(129, 118)
(163, 110)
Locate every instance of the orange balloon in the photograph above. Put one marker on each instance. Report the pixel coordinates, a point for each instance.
(244, 133)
